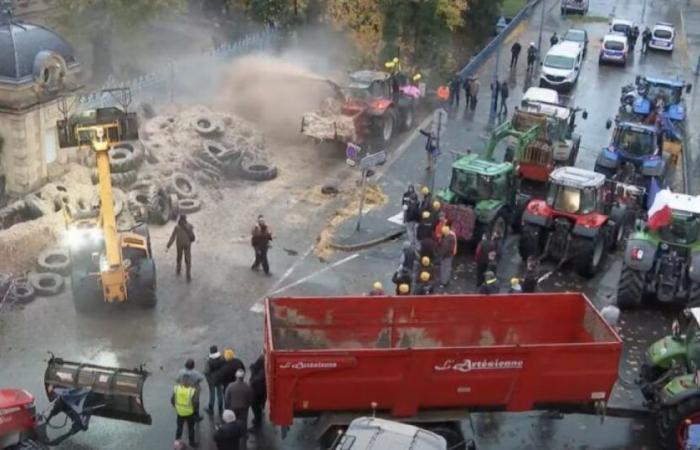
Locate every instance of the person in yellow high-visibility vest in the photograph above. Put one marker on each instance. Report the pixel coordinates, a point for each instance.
(184, 400)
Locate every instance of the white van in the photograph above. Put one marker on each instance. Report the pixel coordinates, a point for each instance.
(561, 66)
(538, 94)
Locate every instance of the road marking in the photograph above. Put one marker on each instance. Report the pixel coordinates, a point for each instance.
(396, 218)
(258, 306)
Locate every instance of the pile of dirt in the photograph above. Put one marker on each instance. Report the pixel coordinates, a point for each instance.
(374, 197)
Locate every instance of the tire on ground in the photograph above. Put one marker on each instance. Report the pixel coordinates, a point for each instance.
(21, 291)
(46, 284)
(189, 205)
(209, 152)
(121, 160)
(182, 185)
(159, 206)
(174, 206)
(135, 148)
(55, 260)
(258, 170)
(123, 180)
(630, 288)
(206, 126)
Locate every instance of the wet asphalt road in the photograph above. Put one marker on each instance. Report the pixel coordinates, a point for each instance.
(216, 308)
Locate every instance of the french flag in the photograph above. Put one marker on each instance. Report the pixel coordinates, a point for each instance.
(660, 211)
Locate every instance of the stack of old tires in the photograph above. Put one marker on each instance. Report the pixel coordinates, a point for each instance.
(124, 160)
(47, 280)
(216, 161)
(149, 201)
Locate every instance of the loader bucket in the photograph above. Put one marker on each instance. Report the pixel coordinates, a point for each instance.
(114, 393)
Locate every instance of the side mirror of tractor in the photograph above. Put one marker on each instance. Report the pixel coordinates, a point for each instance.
(584, 114)
(608, 124)
(688, 88)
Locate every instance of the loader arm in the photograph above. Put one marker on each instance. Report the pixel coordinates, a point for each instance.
(111, 266)
(505, 130)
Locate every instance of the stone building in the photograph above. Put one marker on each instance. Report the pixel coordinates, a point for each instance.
(37, 70)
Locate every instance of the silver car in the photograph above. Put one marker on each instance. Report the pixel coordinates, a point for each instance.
(577, 6)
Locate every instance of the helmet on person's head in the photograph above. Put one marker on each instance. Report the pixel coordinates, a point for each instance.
(445, 230)
(436, 205)
(515, 281)
(377, 286)
(424, 276)
(425, 215)
(403, 288)
(425, 261)
(424, 190)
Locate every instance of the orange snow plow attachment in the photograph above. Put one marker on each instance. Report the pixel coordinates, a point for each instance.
(114, 393)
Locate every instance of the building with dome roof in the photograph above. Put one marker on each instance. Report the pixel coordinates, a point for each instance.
(37, 69)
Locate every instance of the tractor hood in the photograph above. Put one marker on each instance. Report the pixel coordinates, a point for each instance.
(487, 209)
(663, 352)
(676, 388)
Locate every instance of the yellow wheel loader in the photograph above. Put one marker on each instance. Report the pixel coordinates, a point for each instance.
(108, 265)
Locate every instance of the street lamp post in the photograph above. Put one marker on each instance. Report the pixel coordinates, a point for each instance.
(539, 37)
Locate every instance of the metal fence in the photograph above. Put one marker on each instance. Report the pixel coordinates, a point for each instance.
(485, 53)
(160, 86)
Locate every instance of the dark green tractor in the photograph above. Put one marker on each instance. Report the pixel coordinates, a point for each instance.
(664, 263)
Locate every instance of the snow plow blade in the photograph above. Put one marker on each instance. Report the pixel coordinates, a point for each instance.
(114, 393)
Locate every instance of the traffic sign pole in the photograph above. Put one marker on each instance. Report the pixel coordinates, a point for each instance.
(362, 199)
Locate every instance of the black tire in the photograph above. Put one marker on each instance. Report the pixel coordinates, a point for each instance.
(182, 185)
(46, 284)
(136, 149)
(21, 291)
(386, 126)
(118, 200)
(206, 126)
(209, 152)
(592, 255)
(174, 206)
(159, 207)
(530, 242)
(87, 295)
(455, 439)
(143, 230)
(138, 198)
(189, 205)
(671, 421)
(258, 170)
(408, 117)
(54, 260)
(121, 160)
(146, 295)
(630, 288)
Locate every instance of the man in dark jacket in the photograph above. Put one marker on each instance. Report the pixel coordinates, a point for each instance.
(504, 98)
(514, 54)
(554, 40)
(239, 397)
(216, 390)
(183, 236)
(646, 38)
(411, 213)
(531, 56)
(455, 86)
(408, 257)
(227, 373)
(260, 240)
(490, 285)
(257, 384)
(228, 436)
(531, 278)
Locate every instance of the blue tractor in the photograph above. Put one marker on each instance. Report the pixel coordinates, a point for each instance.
(649, 94)
(634, 156)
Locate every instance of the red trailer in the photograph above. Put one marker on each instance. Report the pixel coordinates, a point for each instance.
(429, 359)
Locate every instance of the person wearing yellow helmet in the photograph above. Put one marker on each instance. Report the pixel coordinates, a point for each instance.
(402, 277)
(425, 262)
(377, 289)
(404, 289)
(427, 199)
(515, 287)
(447, 251)
(424, 285)
(490, 285)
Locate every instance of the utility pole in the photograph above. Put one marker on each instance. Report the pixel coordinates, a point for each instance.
(543, 6)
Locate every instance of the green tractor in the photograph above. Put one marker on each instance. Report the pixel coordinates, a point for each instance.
(664, 263)
(669, 381)
(482, 191)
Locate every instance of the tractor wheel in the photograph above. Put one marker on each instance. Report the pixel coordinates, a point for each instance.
(673, 421)
(159, 206)
(386, 126)
(87, 295)
(409, 117)
(530, 243)
(694, 295)
(146, 295)
(591, 256)
(630, 289)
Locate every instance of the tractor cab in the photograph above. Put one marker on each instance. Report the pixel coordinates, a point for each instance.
(660, 94)
(683, 229)
(369, 84)
(637, 144)
(574, 191)
(475, 180)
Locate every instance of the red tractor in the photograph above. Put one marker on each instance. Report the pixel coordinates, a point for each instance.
(78, 391)
(582, 218)
(373, 106)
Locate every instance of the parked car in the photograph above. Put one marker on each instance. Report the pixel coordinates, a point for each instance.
(538, 94)
(621, 26)
(578, 6)
(614, 49)
(662, 36)
(579, 36)
(561, 66)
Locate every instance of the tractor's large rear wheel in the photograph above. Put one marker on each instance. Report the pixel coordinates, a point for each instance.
(673, 422)
(591, 255)
(630, 289)
(408, 116)
(87, 294)
(530, 243)
(386, 126)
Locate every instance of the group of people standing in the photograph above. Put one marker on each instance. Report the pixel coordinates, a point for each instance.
(428, 254)
(515, 50)
(229, 393)
(470, 86)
